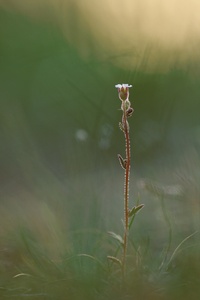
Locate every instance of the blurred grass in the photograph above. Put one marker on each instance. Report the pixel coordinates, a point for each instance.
(61, 188)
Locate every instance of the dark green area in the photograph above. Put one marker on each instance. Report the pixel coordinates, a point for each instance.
(61, 188)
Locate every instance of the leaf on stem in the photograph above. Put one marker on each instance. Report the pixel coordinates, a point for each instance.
(122, 161)
(129, 112)
(116, 237)
(115, 260)
(135, 210)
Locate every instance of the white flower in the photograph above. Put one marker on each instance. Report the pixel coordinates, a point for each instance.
(123, 91)
(123, 85)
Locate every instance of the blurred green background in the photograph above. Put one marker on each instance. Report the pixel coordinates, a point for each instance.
(61, 187)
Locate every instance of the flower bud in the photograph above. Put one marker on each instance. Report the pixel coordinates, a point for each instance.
(123, 91)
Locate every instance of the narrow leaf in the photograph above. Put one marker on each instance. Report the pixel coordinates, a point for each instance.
(138, 208)
(21, 274)
(135, 210)
(131, 212)
(115, 260)
(116, 237)
(122, 161)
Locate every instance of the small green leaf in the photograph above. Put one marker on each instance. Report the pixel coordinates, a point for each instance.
(138, 208)
(116, 237)
(131, 212)
(135, 210)
(115, 260)
(122, 161)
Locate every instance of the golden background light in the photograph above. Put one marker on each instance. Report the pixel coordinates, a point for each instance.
(141, 33)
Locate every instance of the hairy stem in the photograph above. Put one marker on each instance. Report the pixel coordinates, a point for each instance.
(126, 186)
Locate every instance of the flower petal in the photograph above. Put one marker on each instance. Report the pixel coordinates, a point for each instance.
(118, 86)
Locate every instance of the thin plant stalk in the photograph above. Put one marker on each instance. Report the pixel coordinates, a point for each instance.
(126, 185)
(127, 110)
(129, 214)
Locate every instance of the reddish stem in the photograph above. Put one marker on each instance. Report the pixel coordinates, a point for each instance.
(126, 185)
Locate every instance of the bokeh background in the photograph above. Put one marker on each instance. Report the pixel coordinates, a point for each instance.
(61, 185)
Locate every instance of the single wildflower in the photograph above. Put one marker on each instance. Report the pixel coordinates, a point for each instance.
(123, 91)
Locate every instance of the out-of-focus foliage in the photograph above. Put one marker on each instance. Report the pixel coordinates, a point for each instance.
(165, 33)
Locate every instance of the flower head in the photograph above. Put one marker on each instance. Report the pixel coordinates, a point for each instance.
(123, 91)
